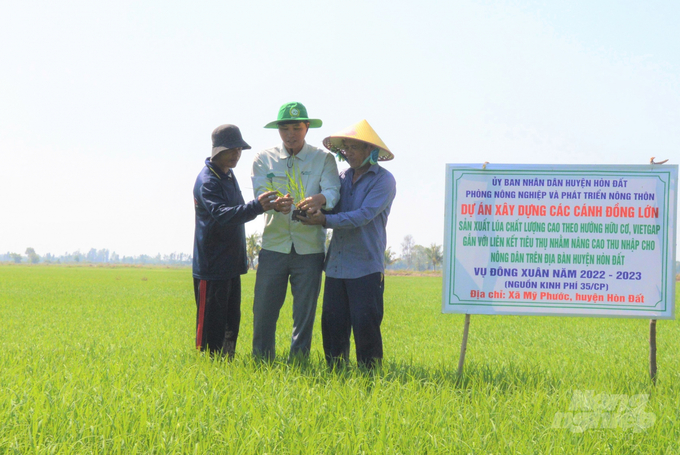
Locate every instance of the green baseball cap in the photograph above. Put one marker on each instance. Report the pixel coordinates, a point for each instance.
(294, 112)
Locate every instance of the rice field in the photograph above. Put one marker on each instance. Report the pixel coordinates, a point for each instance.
(102, 360)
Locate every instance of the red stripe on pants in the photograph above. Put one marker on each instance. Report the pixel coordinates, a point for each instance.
(201, 313)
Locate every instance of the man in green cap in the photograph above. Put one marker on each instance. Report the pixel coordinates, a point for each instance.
(291, 250)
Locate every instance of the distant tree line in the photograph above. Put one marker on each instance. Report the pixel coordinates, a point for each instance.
(418, 257)
(413, 257)
(94, 256)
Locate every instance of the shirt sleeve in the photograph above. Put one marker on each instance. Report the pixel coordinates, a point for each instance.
(330, 182)
(377, 200)
(219, 208)
(258, 176)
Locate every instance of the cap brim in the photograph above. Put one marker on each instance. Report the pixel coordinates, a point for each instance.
(313, 122)
(222, 148)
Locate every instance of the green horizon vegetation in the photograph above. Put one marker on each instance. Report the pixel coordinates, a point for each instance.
(102, 360)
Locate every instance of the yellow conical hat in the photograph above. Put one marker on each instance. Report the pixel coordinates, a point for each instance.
(363, 132)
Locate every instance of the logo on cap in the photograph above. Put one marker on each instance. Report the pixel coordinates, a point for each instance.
(294, 112)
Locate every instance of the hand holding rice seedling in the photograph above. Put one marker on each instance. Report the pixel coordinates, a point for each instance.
(295, 189)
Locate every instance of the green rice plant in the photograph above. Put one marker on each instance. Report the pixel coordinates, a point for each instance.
(269, 186)
(102, 360)
(294, 185)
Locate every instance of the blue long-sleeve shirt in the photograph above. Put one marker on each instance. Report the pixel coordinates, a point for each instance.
(359, 238)
(220, 237)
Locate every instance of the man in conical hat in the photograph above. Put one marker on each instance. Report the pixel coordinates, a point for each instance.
(353, 292)
(290, 250)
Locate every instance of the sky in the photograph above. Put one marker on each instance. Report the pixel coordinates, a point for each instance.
(106, 108)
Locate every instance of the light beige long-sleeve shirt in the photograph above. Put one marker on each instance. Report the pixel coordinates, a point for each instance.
(319, 173)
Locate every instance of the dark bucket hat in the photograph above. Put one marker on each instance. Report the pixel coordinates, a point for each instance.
(226, 137)
(294, 112)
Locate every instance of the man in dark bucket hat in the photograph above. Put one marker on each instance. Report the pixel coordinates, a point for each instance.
(290, 250)
(220, 242)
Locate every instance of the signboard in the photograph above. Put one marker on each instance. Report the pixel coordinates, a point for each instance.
(560, 240)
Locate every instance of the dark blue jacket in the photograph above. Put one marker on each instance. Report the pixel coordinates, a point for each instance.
(220, 237)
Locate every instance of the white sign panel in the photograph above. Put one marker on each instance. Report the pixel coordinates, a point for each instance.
(560, 240)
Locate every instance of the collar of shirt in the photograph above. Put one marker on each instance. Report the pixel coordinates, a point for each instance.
(301, 155)
(373, 169)
(217, 171)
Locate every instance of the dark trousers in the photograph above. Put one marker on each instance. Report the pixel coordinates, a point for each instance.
(271, 284)
(218, 315)
(353, 305)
